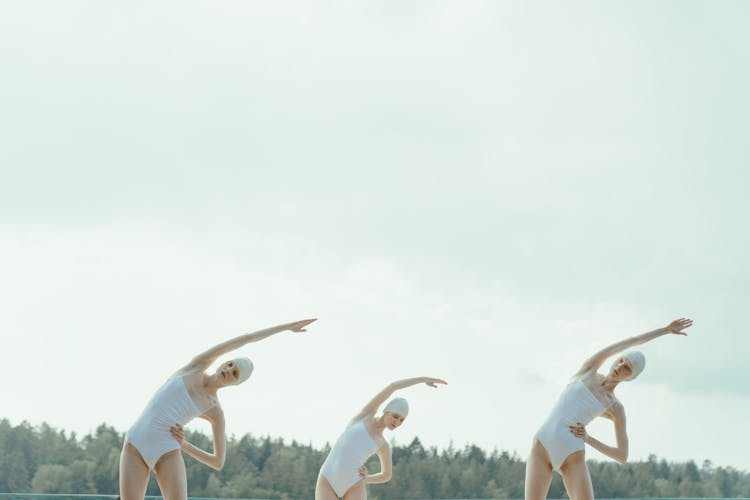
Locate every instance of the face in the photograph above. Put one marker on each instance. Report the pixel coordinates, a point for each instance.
(228, 373)
(622, 369)
(393, 420)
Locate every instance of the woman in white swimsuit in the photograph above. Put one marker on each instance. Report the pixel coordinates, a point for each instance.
(343, 473)
(559, 443)
(155, 440)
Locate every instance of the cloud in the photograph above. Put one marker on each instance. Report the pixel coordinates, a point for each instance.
(488, 191)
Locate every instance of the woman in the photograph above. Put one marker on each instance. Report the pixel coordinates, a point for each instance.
(155, 440)
(559, 443)
(343, 473)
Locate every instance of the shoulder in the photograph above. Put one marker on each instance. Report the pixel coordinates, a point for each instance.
(384, 447)
(189, 375)
(198, 364)
(616, 410)
(368, 421)
(592, 376)
(215, 414)
(588, 377)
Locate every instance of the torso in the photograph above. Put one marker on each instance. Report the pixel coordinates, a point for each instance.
(593, 382)
(375, 434)
(203, 399)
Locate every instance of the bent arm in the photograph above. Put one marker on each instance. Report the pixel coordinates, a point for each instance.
(386, 467)
(205, 359)
(372, 407)
(595, 361)
(619, 452)
(216, 459)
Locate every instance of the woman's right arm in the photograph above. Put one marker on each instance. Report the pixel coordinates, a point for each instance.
(205, 359)
(372, 407)
(594, 362)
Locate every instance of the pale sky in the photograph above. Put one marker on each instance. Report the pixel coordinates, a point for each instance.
(485, 192)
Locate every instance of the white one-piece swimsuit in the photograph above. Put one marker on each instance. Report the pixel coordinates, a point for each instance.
(351, 451)
(576, 404)
(170, 405)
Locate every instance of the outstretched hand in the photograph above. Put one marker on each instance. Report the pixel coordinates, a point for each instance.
(432, 382)
(678, 325)
(299, 326)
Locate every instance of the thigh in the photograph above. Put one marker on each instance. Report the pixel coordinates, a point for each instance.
(356, 492)
(324, 490)
(171, 476)
(134, 474)
(576, 477)
(538, 473)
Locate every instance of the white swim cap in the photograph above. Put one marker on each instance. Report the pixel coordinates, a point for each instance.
(397, 405)
(245, 366)
(638, 360)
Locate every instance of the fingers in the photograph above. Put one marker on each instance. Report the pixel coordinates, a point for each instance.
(177, 432)
(681, 323)
(578, 430)
(299, 326)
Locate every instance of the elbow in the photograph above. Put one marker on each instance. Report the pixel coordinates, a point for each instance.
(623, 458)
(218, 465)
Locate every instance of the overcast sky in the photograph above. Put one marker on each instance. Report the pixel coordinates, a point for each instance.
(485, 192)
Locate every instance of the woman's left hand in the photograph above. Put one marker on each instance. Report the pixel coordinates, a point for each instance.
(178, 433)
(677, 326)
(299, 326)
(363, 472)
(432, 382)
(579, 431)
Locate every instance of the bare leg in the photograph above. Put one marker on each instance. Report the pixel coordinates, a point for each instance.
(324, 490)
(576, 477)
(134, 474)
(538, 473)
(171, 476)
(356, 492)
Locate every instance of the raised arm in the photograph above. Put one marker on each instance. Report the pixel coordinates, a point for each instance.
(594, 362)
(204, 360)
(216, 459)
(372, 407)
(619, 452)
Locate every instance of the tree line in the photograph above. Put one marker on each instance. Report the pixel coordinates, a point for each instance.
(46, 460)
